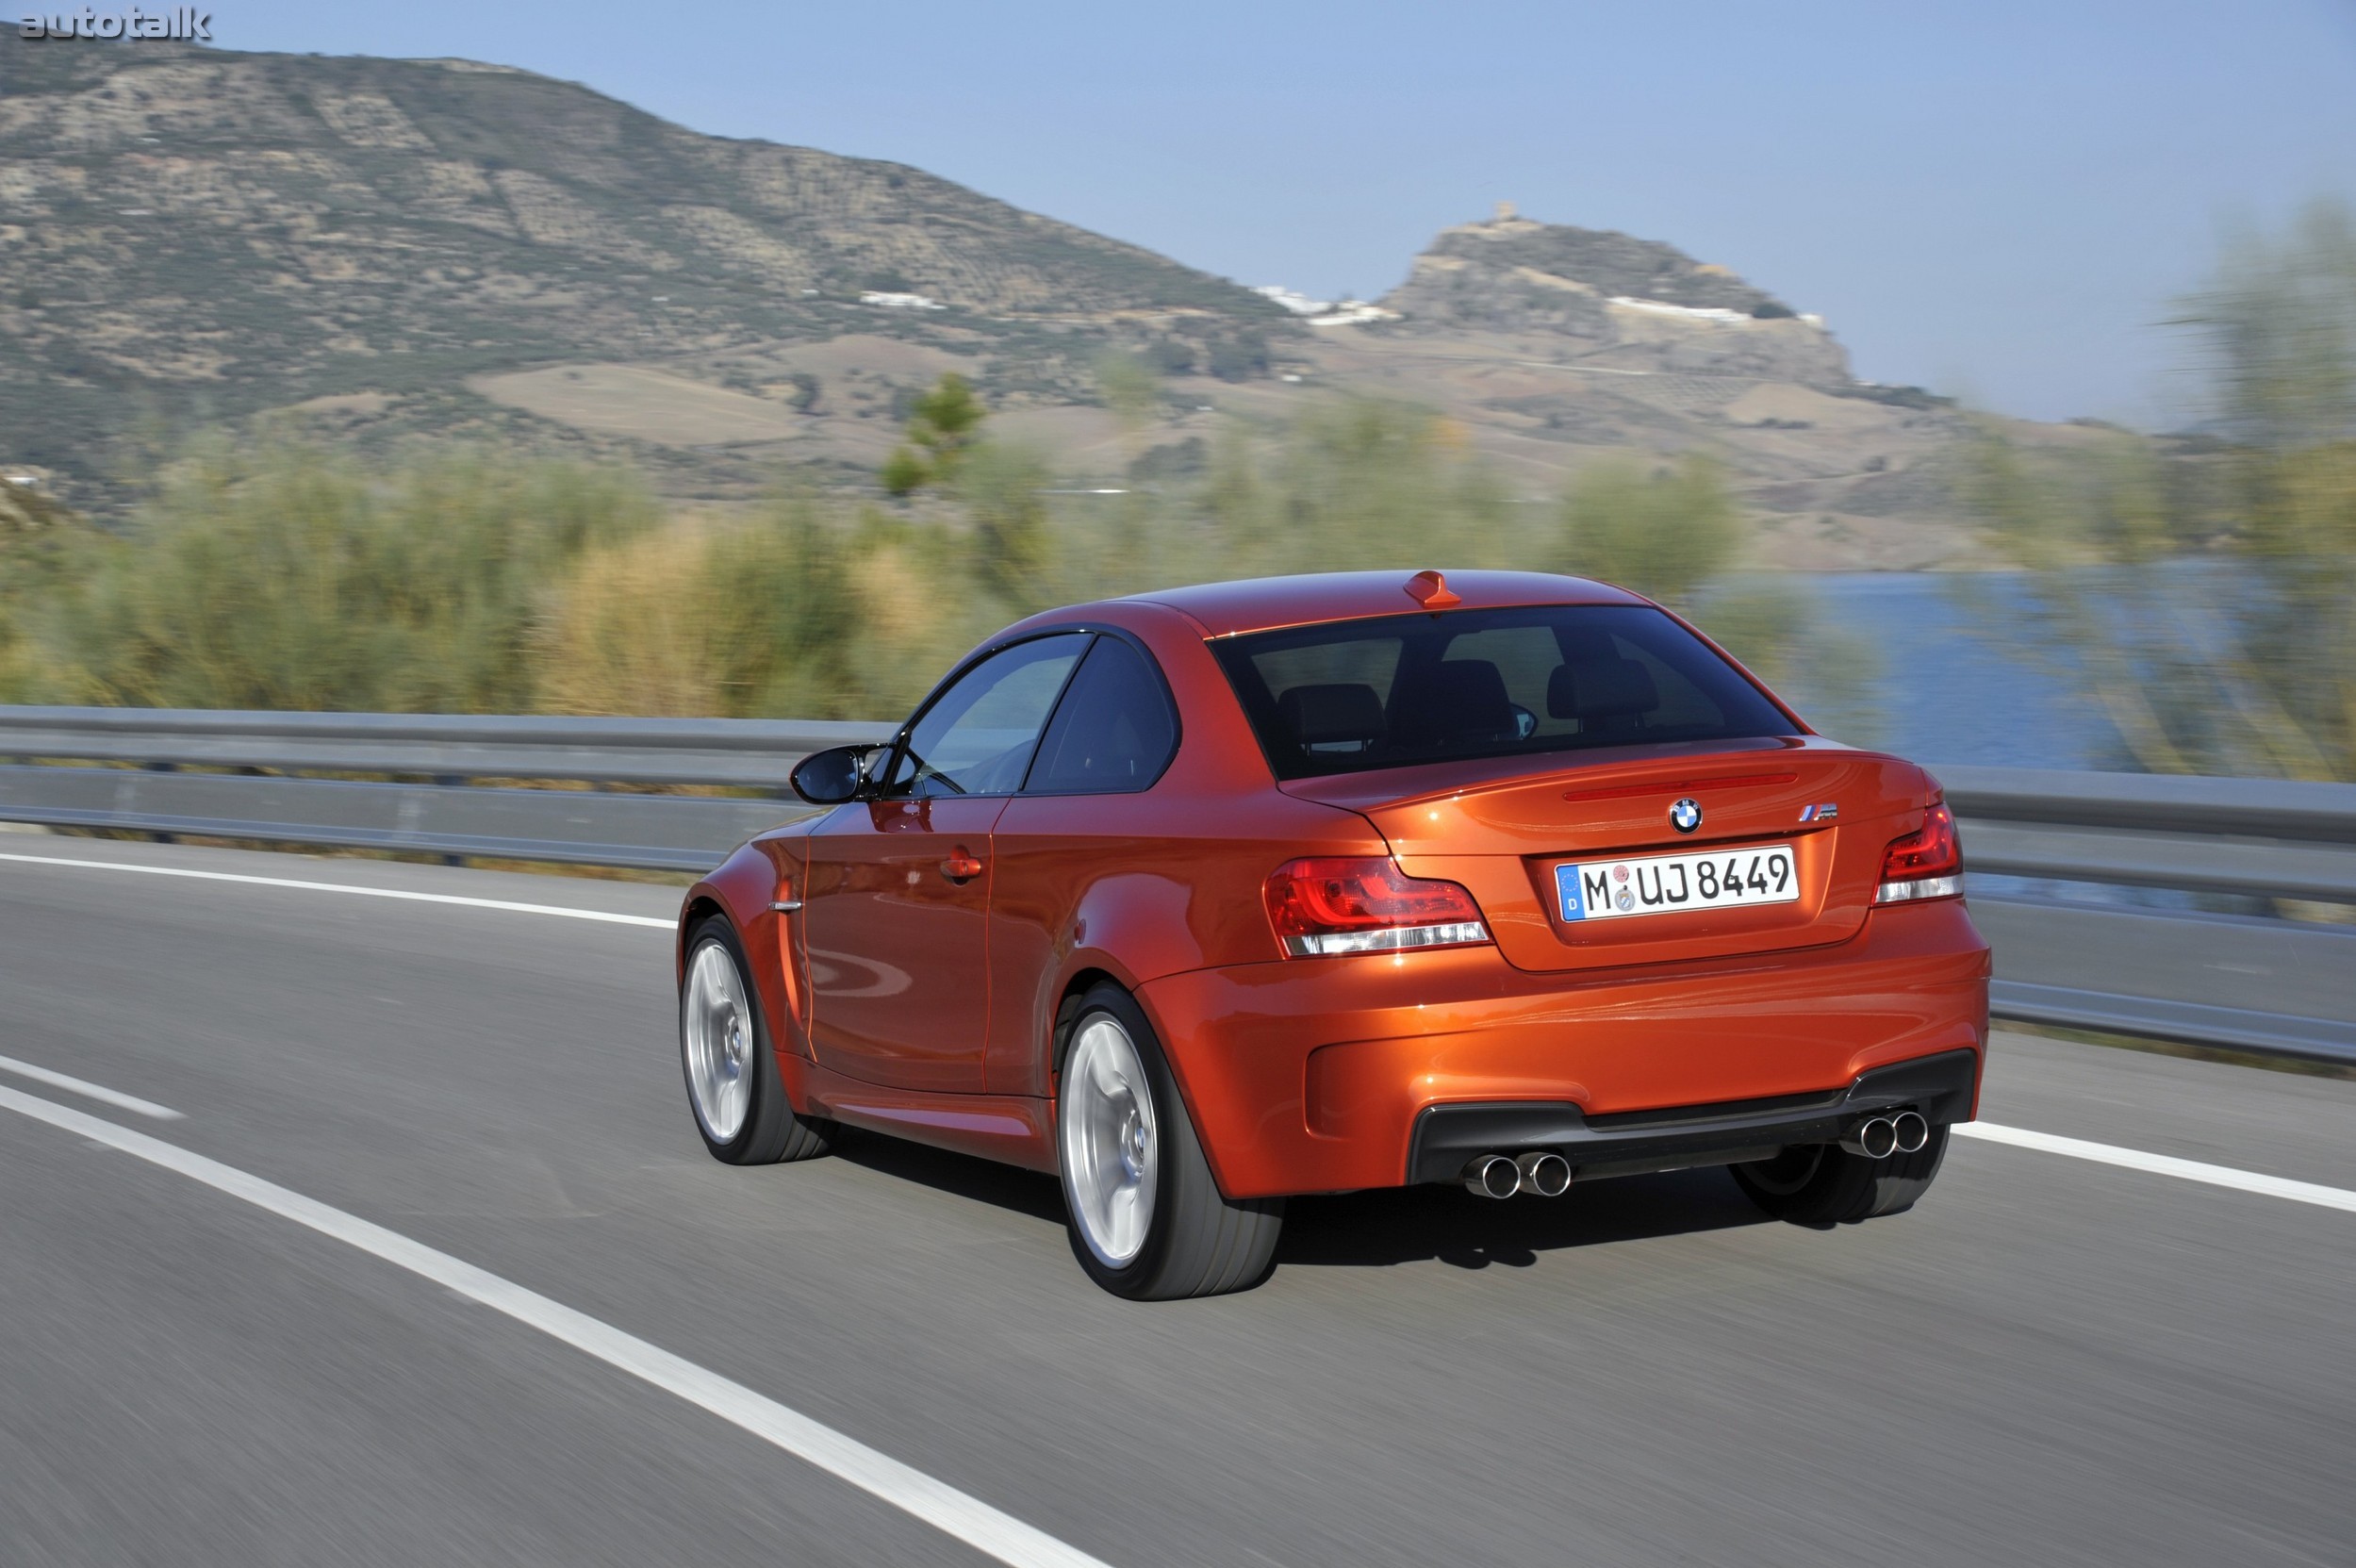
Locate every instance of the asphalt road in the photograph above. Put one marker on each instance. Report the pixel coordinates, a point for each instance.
(2050, 1360)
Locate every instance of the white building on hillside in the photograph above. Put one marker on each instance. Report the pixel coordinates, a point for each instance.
(1297, 302)
(1353, 313)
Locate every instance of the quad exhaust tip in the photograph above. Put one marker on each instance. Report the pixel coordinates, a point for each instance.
(1879, 1137)
(1546, 1174)
(1539, 1171)
(1492, 1176)
(1876, 1138)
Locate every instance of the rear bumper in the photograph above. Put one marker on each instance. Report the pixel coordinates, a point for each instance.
(1330, 1075)
(1449, 1137)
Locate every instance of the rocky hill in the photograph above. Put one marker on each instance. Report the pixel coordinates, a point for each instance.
(1552, 345)
(384, 251)
(1658, 307)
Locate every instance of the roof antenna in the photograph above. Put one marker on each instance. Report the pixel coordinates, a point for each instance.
(1431, 590)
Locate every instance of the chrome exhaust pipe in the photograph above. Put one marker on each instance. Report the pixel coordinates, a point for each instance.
(1546, 1174)
(1912, 1129)
(1876, 1138)
(1492, 1176)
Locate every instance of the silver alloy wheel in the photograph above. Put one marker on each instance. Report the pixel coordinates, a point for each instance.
(1111, 1149)
(715, 1035)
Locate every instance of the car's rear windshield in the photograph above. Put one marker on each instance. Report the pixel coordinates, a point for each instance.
(1348, 696)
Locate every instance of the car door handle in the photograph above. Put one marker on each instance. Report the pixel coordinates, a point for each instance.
(961, 867)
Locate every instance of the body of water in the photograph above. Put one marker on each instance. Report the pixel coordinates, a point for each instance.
(1943, 687)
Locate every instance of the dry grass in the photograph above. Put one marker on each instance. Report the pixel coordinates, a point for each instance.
(644, 403)
(632, 632)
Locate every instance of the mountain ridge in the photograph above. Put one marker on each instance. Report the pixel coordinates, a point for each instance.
(387, 250)
(199, 226)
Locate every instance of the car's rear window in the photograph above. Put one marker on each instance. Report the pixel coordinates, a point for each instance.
(1348, 696)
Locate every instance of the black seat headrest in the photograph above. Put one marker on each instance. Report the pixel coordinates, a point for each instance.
(1592, 690)
(1332, 715)
(1461, 700)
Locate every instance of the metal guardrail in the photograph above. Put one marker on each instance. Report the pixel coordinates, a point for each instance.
(2156, 802)
(419, 791)
(415, 782)
(651, 832)
(2269, 837)
(743, 752)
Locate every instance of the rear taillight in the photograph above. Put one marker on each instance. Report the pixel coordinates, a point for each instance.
(1333, 905)
(1926, 863)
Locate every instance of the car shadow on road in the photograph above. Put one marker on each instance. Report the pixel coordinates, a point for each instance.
(1009, 1187)
(1374, 1229)
(1407, 1225)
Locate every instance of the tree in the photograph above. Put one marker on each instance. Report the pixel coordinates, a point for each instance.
(2204, 592)
(1129, 388)
(944, 424)
(1002, 488)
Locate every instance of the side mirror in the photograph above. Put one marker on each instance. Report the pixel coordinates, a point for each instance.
(831, 777)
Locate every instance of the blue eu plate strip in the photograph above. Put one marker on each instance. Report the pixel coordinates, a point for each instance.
(1566, 893)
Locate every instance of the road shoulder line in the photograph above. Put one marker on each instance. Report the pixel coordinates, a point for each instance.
(509, 905)
(83, 1086)
(936, 1503)
(2163, 1164)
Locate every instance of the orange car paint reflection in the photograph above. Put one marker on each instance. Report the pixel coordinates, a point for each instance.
(896, 947)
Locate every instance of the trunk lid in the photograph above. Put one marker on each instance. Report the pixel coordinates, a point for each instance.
(1500, 827)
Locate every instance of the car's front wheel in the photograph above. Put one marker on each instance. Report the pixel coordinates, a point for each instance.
(1826, 1184)
(733, 1086)
(1148, 1222)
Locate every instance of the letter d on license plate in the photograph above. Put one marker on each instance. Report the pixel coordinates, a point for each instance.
(1662, 885)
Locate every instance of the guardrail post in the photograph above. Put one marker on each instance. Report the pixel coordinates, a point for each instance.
(161, 768)
(450, 781)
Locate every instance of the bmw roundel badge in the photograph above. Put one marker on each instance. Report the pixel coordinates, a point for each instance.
(1685, 816)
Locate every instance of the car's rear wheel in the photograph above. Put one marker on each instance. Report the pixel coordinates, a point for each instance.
(1148, 1222)
(733, 1086)
(1826, 1184)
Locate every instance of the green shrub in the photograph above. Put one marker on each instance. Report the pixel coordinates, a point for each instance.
(291, 579)
(1662, 532)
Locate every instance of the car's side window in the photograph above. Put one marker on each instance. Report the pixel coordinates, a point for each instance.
(977, 739)
(1114, 731)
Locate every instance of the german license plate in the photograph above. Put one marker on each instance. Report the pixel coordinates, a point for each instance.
(1662, 885)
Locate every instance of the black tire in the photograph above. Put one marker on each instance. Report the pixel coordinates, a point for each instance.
(1197, 1242)
(772, 1129)
(1824, 1185)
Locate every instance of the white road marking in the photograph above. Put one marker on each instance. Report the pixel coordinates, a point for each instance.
(2164, 1164)
(115, 1097)
(513, 908)
(968, 1519)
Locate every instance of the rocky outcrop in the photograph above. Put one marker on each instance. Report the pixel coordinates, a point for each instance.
(1638, 304)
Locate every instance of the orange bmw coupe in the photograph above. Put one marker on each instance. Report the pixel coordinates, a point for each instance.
(1206, 898)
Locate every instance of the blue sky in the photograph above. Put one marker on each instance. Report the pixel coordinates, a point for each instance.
(1998, 200)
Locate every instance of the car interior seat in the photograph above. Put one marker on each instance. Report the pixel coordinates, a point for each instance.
(1607, 694)
(1333, 717)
